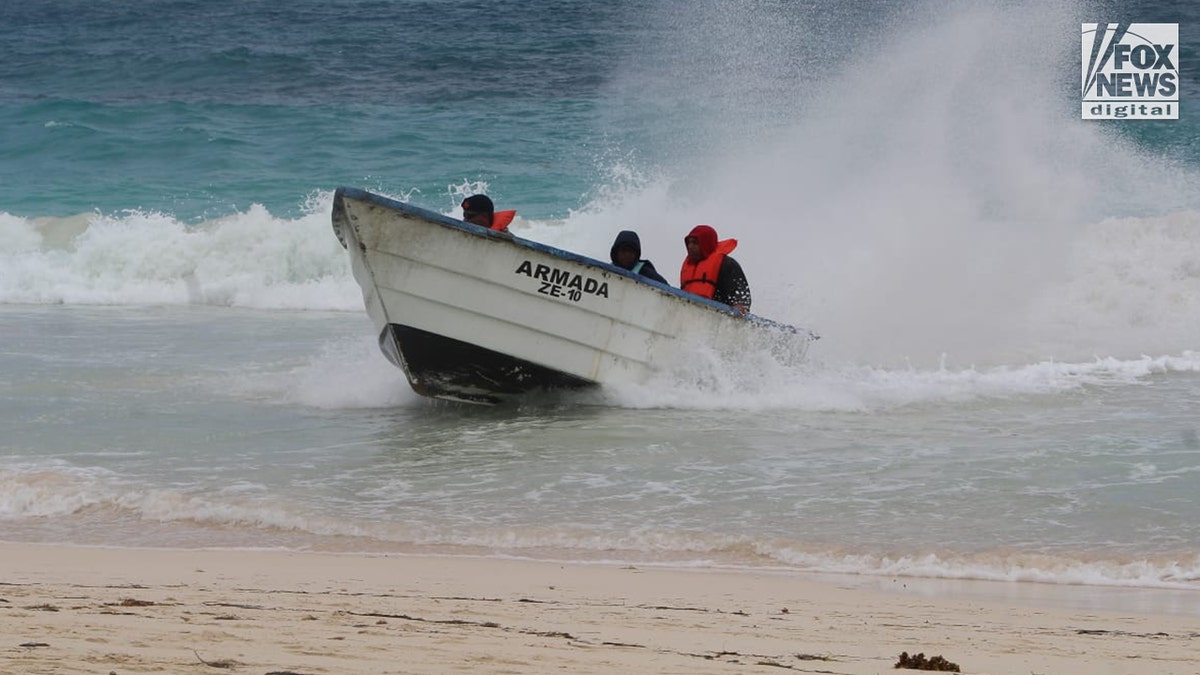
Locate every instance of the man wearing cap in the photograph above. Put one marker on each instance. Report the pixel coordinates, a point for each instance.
(479, 210)
(708, 271)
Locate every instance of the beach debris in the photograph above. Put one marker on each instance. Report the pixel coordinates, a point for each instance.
(223, 663)
(233, 605)
(450, 622)
(606, 643)
(1097, 631)
(34, 644)
(550, 634)
(42, 608)
(919, 662)
(763, 659)
(133, 602)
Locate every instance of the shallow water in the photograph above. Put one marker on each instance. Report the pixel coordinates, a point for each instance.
(187, 426)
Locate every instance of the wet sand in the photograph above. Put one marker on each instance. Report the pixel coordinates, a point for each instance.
(98, 610)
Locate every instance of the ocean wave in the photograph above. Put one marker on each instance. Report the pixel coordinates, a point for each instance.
(756, 382)
(81, 507)
(251, 259)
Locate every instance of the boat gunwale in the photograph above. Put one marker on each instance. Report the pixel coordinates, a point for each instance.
(474, 230)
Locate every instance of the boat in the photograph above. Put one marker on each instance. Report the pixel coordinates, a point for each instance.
(482, 316)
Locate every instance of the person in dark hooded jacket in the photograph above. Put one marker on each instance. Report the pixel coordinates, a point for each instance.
(627, 252)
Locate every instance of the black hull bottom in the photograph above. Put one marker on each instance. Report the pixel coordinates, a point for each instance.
(442, 367)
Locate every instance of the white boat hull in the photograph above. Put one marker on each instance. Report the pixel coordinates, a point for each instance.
(476, 315)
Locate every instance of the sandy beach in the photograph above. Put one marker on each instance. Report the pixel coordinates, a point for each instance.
(94, 610)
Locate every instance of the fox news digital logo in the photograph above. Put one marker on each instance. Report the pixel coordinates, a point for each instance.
(1130, 71)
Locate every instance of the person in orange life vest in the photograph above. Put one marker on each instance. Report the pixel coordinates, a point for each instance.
(708, 270)
(479, 210)
(627, 252)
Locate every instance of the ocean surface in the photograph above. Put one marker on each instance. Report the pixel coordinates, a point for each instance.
(1007, 387)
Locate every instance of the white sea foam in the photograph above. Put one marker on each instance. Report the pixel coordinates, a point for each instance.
(927, 193)
(47, 489)
(755, 382)
(345, 374)
(1124, 309)
(61, 491)
(249, 259)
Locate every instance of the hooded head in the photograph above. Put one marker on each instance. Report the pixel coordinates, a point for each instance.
(706, 237)
(626, 239)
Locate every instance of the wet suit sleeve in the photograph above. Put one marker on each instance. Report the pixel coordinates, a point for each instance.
(732, 287)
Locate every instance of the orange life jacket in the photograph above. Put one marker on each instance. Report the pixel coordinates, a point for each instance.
(701, 277)
(501, 219)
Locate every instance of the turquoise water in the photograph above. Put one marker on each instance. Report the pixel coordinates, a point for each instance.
(200, 109)
(1008, 378)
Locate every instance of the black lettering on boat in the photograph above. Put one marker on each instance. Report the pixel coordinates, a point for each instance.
(555, 280)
